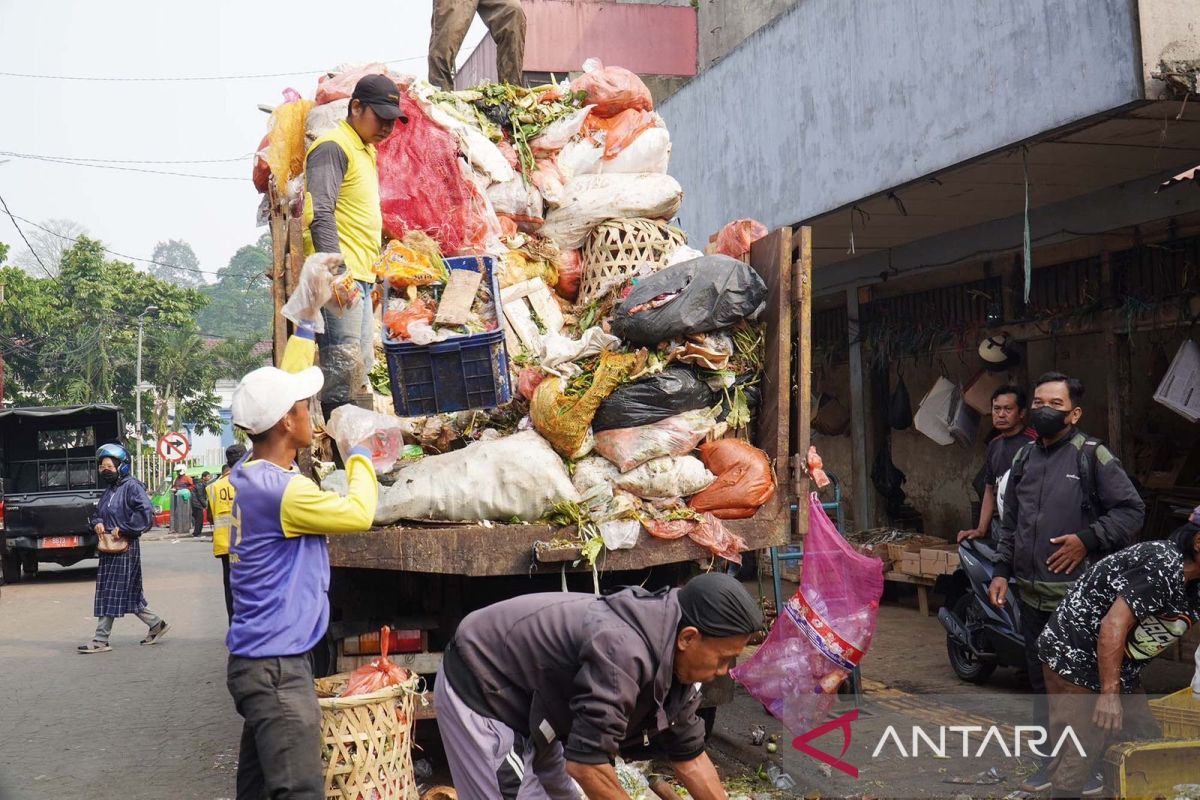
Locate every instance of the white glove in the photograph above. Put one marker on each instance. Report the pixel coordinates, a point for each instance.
(1196, 677)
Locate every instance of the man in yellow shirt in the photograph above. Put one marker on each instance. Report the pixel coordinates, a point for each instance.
(220, 507)
(343, 216)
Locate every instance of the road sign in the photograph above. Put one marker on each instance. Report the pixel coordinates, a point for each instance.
(173, 447)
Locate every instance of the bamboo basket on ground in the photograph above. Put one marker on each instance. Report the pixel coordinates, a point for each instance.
(366, 741)
(616, 250)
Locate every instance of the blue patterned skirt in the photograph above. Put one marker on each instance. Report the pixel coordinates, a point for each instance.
(119, 583)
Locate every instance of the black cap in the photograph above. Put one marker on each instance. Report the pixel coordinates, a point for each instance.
(380, 93)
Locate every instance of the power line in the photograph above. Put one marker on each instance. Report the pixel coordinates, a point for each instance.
(242, 157)
(27, 244)
(187, 78)
(73, 163)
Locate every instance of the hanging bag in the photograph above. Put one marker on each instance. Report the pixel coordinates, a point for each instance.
(900, 415)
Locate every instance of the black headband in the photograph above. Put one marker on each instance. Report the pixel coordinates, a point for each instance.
(717, 605)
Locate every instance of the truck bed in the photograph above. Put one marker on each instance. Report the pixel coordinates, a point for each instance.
(476, 550)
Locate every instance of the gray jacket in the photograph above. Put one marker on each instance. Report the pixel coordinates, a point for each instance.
(1049, 500)
(596, 674)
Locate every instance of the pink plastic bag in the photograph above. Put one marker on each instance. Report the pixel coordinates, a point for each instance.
(735, 239)
(673, 436)
(821, 634)
(422, 187)
(340, 85)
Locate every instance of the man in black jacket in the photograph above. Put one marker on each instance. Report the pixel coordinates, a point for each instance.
(1068, 503)
(546, 689)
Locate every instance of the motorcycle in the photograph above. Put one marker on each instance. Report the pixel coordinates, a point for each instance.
(979, 636)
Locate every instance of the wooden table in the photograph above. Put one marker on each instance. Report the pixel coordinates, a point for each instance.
(922, 582)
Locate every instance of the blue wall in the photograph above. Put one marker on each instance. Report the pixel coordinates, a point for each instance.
(841, 99)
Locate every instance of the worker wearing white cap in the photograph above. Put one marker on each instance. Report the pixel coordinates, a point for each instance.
(279, 574)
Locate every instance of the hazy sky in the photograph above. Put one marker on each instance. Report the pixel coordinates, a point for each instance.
(170, 120)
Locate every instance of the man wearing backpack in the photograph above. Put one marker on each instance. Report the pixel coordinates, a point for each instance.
(1068, 503)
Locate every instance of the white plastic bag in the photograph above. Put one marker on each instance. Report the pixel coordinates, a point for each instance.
(518, 476)
(558, 134)
(592, 472)
(517, 199)
(620, 534)
(351, 426)
(649, 152)
(324, 118)
(560, 352)
(667, 477)
(934, 410)
(581, 157)
(592, 199)
(318, 276)
(674, 436)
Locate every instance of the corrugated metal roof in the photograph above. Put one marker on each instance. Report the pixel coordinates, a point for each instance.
(56, 411)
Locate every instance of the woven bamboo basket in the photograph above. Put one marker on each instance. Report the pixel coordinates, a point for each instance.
(616, 250)
(366, 741)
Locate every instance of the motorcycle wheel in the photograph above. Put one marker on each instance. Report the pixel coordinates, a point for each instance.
(967, 665)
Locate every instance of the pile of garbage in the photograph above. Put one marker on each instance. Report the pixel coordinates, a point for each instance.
(624, 404)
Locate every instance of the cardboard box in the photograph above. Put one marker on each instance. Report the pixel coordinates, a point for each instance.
(909, 563)
(939, 560)
(896, 550)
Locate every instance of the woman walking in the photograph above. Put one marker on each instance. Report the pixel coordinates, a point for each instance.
(124, 512)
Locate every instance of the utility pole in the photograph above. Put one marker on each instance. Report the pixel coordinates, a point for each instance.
(137, 391)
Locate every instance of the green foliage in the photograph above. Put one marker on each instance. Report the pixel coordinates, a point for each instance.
(240, 301)
(177, 264)
(73, 339)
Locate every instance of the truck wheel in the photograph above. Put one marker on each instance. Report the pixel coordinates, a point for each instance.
(10, 568)
(963, 661)
(29, 564)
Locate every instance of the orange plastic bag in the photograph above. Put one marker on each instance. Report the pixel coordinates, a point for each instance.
(745, 480)
(398, 322)
(403, 266)
(708, 532)
(570, 274)
(735, 239)
(619, 131)
(379, 674)
(612, 89)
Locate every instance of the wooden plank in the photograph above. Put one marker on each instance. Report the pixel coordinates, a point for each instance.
(802, 289)
(278, 282)
(477, 551)
(771, 258)
(295, 260)
(864, 515)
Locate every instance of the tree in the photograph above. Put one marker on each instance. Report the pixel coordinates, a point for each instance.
(176, 263)
(183, 377)
(235, 357)
(49, 245)
(240, 303)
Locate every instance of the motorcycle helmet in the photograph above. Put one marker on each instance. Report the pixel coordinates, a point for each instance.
(118, 454)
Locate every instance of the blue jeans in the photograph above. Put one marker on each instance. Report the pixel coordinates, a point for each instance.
(347, 349)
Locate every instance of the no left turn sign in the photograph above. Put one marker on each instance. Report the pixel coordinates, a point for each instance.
(173, 447)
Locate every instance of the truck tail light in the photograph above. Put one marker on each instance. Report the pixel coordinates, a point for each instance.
(1, 515)
(398, 642)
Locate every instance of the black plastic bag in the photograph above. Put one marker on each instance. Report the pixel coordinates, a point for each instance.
(673, 391)
(697, 296)
(900, 415)
(889, 480)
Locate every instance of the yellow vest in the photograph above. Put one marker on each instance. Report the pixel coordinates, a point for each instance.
(220, 506)
(357, 213)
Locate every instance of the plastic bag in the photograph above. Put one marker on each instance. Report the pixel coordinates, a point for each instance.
(667, 477)
(515, 476)
(745, 481)
(351, 426)
(519, 200)
(261, 175)
(528, 381)
(735, 239)
(318, 277)
(612, 89)
(705, 294)
(323, 119)
(286, 151)
(379, 674)
(619, 131)
(649, 152)
(402, 266)
(821, 634)
(570, 274)
(900, 415)
(400, 322)
(670, 392)
(423, 187)
(934, 410)
(339, 85)
(592, 199)
(708, 532)
(816, 467)
(560, 352)
(559, 133)
(593, 472)
(673, 436)
(565, 421)
(519, 267)
(581, 157)
(549, 180)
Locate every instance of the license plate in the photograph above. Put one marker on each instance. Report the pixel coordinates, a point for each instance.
(60, 541)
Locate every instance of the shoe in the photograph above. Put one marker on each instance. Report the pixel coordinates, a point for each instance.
(1038, 781)
(156, 633)
(1094, 787)
(93, 647)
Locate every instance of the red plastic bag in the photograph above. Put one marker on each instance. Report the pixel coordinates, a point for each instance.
(707, 532)
(821, 634)
(340, 85)
(735, 239)
(422, 187)
(612, 89)
(570, 274)
(379, 674)
(528, 380)
(398, 322)
(262, 170)
(745, 480)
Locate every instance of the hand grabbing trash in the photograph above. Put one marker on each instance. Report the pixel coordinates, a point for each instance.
(324, 281)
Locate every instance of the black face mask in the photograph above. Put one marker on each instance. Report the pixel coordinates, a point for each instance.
(108, 476)
(1048, 421)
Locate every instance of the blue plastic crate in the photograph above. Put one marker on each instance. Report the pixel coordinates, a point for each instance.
(456, 375)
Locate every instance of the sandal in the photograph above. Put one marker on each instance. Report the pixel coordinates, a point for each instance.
(156, 633)
(93, 647)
